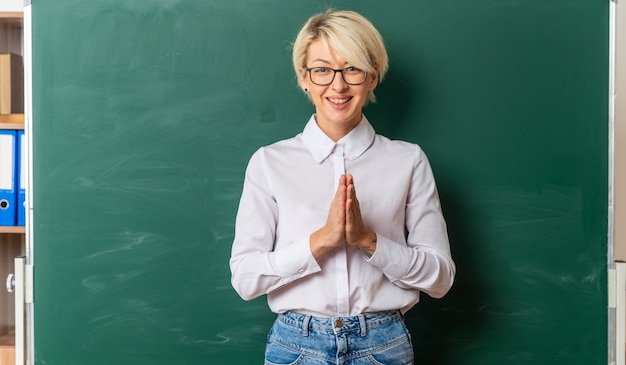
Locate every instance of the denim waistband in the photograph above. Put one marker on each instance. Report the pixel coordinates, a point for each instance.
(336, 325)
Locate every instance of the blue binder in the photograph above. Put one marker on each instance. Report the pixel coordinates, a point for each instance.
(21, 178)
(8, 180)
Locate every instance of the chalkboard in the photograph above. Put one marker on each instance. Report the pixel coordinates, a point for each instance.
(146, 112)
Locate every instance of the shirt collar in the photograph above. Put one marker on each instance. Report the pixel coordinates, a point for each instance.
(354, 143)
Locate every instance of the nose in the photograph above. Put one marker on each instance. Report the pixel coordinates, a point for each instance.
(338, 83)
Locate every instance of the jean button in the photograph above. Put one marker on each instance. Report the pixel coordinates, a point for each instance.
(338, 323)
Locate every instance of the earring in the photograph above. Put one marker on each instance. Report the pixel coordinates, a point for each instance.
(306, 90)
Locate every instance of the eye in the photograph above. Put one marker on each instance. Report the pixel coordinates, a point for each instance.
(352, 70)
(320, 70)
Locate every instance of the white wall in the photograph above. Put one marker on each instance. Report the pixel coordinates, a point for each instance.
(620, 134)
(11, 5)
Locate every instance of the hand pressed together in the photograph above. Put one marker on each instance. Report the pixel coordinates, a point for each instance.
(343, 224)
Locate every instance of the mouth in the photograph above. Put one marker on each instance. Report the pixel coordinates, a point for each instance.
(339, 101)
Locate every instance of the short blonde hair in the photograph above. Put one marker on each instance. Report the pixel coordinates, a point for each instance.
(351, 35)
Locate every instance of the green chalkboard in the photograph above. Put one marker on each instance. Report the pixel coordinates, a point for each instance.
(146, 112)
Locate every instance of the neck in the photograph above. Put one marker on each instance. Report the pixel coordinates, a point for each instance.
(337, 131)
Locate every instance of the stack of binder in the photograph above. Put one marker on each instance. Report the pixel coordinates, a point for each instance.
(12, 179)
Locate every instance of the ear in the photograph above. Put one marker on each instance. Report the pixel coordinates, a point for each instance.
(374, 80)
(304, 81)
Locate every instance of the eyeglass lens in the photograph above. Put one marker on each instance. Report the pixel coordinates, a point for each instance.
(325, 76)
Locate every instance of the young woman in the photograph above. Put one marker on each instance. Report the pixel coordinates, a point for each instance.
(340, 227)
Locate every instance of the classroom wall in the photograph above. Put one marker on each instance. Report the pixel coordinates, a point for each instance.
(13, 5)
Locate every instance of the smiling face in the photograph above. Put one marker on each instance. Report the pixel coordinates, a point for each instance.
(338, 106)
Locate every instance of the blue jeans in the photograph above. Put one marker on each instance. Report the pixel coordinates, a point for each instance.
(368, 339)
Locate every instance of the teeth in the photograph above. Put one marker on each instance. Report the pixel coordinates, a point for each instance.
(338, 101)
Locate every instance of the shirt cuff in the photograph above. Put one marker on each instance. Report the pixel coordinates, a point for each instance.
(390, 257)
(295, 259)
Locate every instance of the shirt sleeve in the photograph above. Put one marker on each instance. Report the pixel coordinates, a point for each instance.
(424, 262)
(256, 267)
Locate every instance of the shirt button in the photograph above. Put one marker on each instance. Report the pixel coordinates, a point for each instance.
(300, 271)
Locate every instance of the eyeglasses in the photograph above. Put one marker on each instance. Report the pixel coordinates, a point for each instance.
(323, 76)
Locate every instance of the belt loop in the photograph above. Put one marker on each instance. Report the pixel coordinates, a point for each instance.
(363, 325)
(305, 325)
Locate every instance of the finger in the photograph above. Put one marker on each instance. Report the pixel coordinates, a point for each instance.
(353, 211)
(350, 184)
(354, 224)
(340, 193)
(350, 213)
(342, 182)
(341, 197)
(351, 195)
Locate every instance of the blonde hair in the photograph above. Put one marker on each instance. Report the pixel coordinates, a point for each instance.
(351, 35)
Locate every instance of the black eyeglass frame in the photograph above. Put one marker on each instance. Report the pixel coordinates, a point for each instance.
(334, 74)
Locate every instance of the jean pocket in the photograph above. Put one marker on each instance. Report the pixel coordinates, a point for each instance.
(276, 354)
(397, 351)
(397, 355)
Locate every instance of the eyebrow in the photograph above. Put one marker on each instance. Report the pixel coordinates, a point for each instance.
(325, 61)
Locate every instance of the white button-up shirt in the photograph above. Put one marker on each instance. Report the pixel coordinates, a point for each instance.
(286, 196)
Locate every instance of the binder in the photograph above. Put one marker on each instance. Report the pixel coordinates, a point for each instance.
(20, 164)
(8, 193)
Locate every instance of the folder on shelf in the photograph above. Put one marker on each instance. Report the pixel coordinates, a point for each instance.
(8, 181)
(20, 164)
(11, 84)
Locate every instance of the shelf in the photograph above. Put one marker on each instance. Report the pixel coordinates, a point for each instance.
(8, 339)
(11, 121)
(7, 348)
(11, 15)
(11, 238)
(12, 229)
